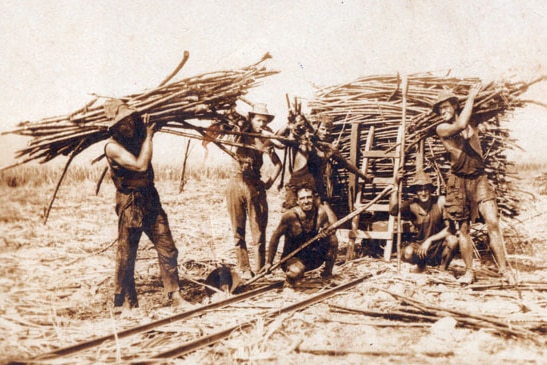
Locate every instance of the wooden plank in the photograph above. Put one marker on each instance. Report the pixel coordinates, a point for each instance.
(353, 155)
(380, 154)
(358, 198)
(383, 180)
(375, 235)
(391, 222)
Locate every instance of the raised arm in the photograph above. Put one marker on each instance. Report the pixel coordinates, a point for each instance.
(461, 122)
(274, 240)
(129, 161)
(276, 170)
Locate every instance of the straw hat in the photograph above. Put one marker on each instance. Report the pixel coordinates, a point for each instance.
(445, 95)
(421, 179)
(116, 110)
(261, 109)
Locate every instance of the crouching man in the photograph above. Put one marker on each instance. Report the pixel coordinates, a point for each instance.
(433, 243)
(298, 225)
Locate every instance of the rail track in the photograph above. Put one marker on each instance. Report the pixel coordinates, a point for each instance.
(65, 352)
(158, 340)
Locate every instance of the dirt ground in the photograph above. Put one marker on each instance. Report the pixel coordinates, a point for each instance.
(56, 286)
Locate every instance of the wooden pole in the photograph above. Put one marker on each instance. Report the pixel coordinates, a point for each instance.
(401, 163)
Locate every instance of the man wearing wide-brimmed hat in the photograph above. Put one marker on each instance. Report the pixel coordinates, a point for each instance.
(246, 192)
(138, 206)
(433, 243)
(468, 190)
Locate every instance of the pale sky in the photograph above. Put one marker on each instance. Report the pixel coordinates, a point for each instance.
(56, 53)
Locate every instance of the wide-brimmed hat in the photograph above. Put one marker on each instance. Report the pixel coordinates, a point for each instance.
(116, 110)
(261, 109)
(421, 179)
(445, 95)
(220, 276)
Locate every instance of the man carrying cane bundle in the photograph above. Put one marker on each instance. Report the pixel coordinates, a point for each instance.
(129, 154)
(468, 189)
(298, 225)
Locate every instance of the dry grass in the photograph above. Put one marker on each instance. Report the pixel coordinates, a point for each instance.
(56, 283)
(41, 175)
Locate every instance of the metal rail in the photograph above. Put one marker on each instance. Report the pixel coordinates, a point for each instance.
(146, 327)
(193, 345)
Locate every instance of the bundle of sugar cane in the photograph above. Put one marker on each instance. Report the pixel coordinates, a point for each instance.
(210, 96)
(377, 101)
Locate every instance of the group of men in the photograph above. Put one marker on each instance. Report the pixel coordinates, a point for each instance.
(442, 223)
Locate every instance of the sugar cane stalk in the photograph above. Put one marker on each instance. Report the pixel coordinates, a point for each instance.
(71, 157)
(182, 179)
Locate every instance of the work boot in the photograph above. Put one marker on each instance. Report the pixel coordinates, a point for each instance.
(289, 283)
(123, 303)
(467, 278)
(247, 275)
(177, 302)
(419, 269)
(509, 276)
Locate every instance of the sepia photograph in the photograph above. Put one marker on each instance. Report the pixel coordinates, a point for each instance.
(284, 182)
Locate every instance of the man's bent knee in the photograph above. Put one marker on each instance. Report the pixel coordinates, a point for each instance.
(451, 242)
(295, 271)
(408, 253)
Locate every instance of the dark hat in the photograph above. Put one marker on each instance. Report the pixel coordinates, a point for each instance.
(261, 109)
(221, 276)
(445, 95)
(116, 110)
(421, 179)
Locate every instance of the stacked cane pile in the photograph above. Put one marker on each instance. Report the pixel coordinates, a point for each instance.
(377, 101)
(210, 96)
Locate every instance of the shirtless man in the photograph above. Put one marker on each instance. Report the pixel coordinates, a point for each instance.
(298, 225)
(320, 163)
(468, 190)
(138, 206)
(433, 243)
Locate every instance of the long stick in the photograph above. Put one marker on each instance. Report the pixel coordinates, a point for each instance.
(209, 139)
(332, 227)
(283, 167)
(182, 180)
(177, 69)
(218, 144)
(100, 181)
(343, 128)
(72, 155)
(401, 163)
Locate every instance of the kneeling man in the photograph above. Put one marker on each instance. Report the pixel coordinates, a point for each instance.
(433, 243)
(298, 225)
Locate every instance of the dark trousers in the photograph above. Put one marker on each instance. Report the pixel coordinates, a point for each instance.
(156, 226)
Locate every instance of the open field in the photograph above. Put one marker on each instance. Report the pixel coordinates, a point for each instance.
(56, 283)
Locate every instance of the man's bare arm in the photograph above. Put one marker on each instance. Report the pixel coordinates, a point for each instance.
(277, 169)
(274, 240)
(129, 161)
(446, 130)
